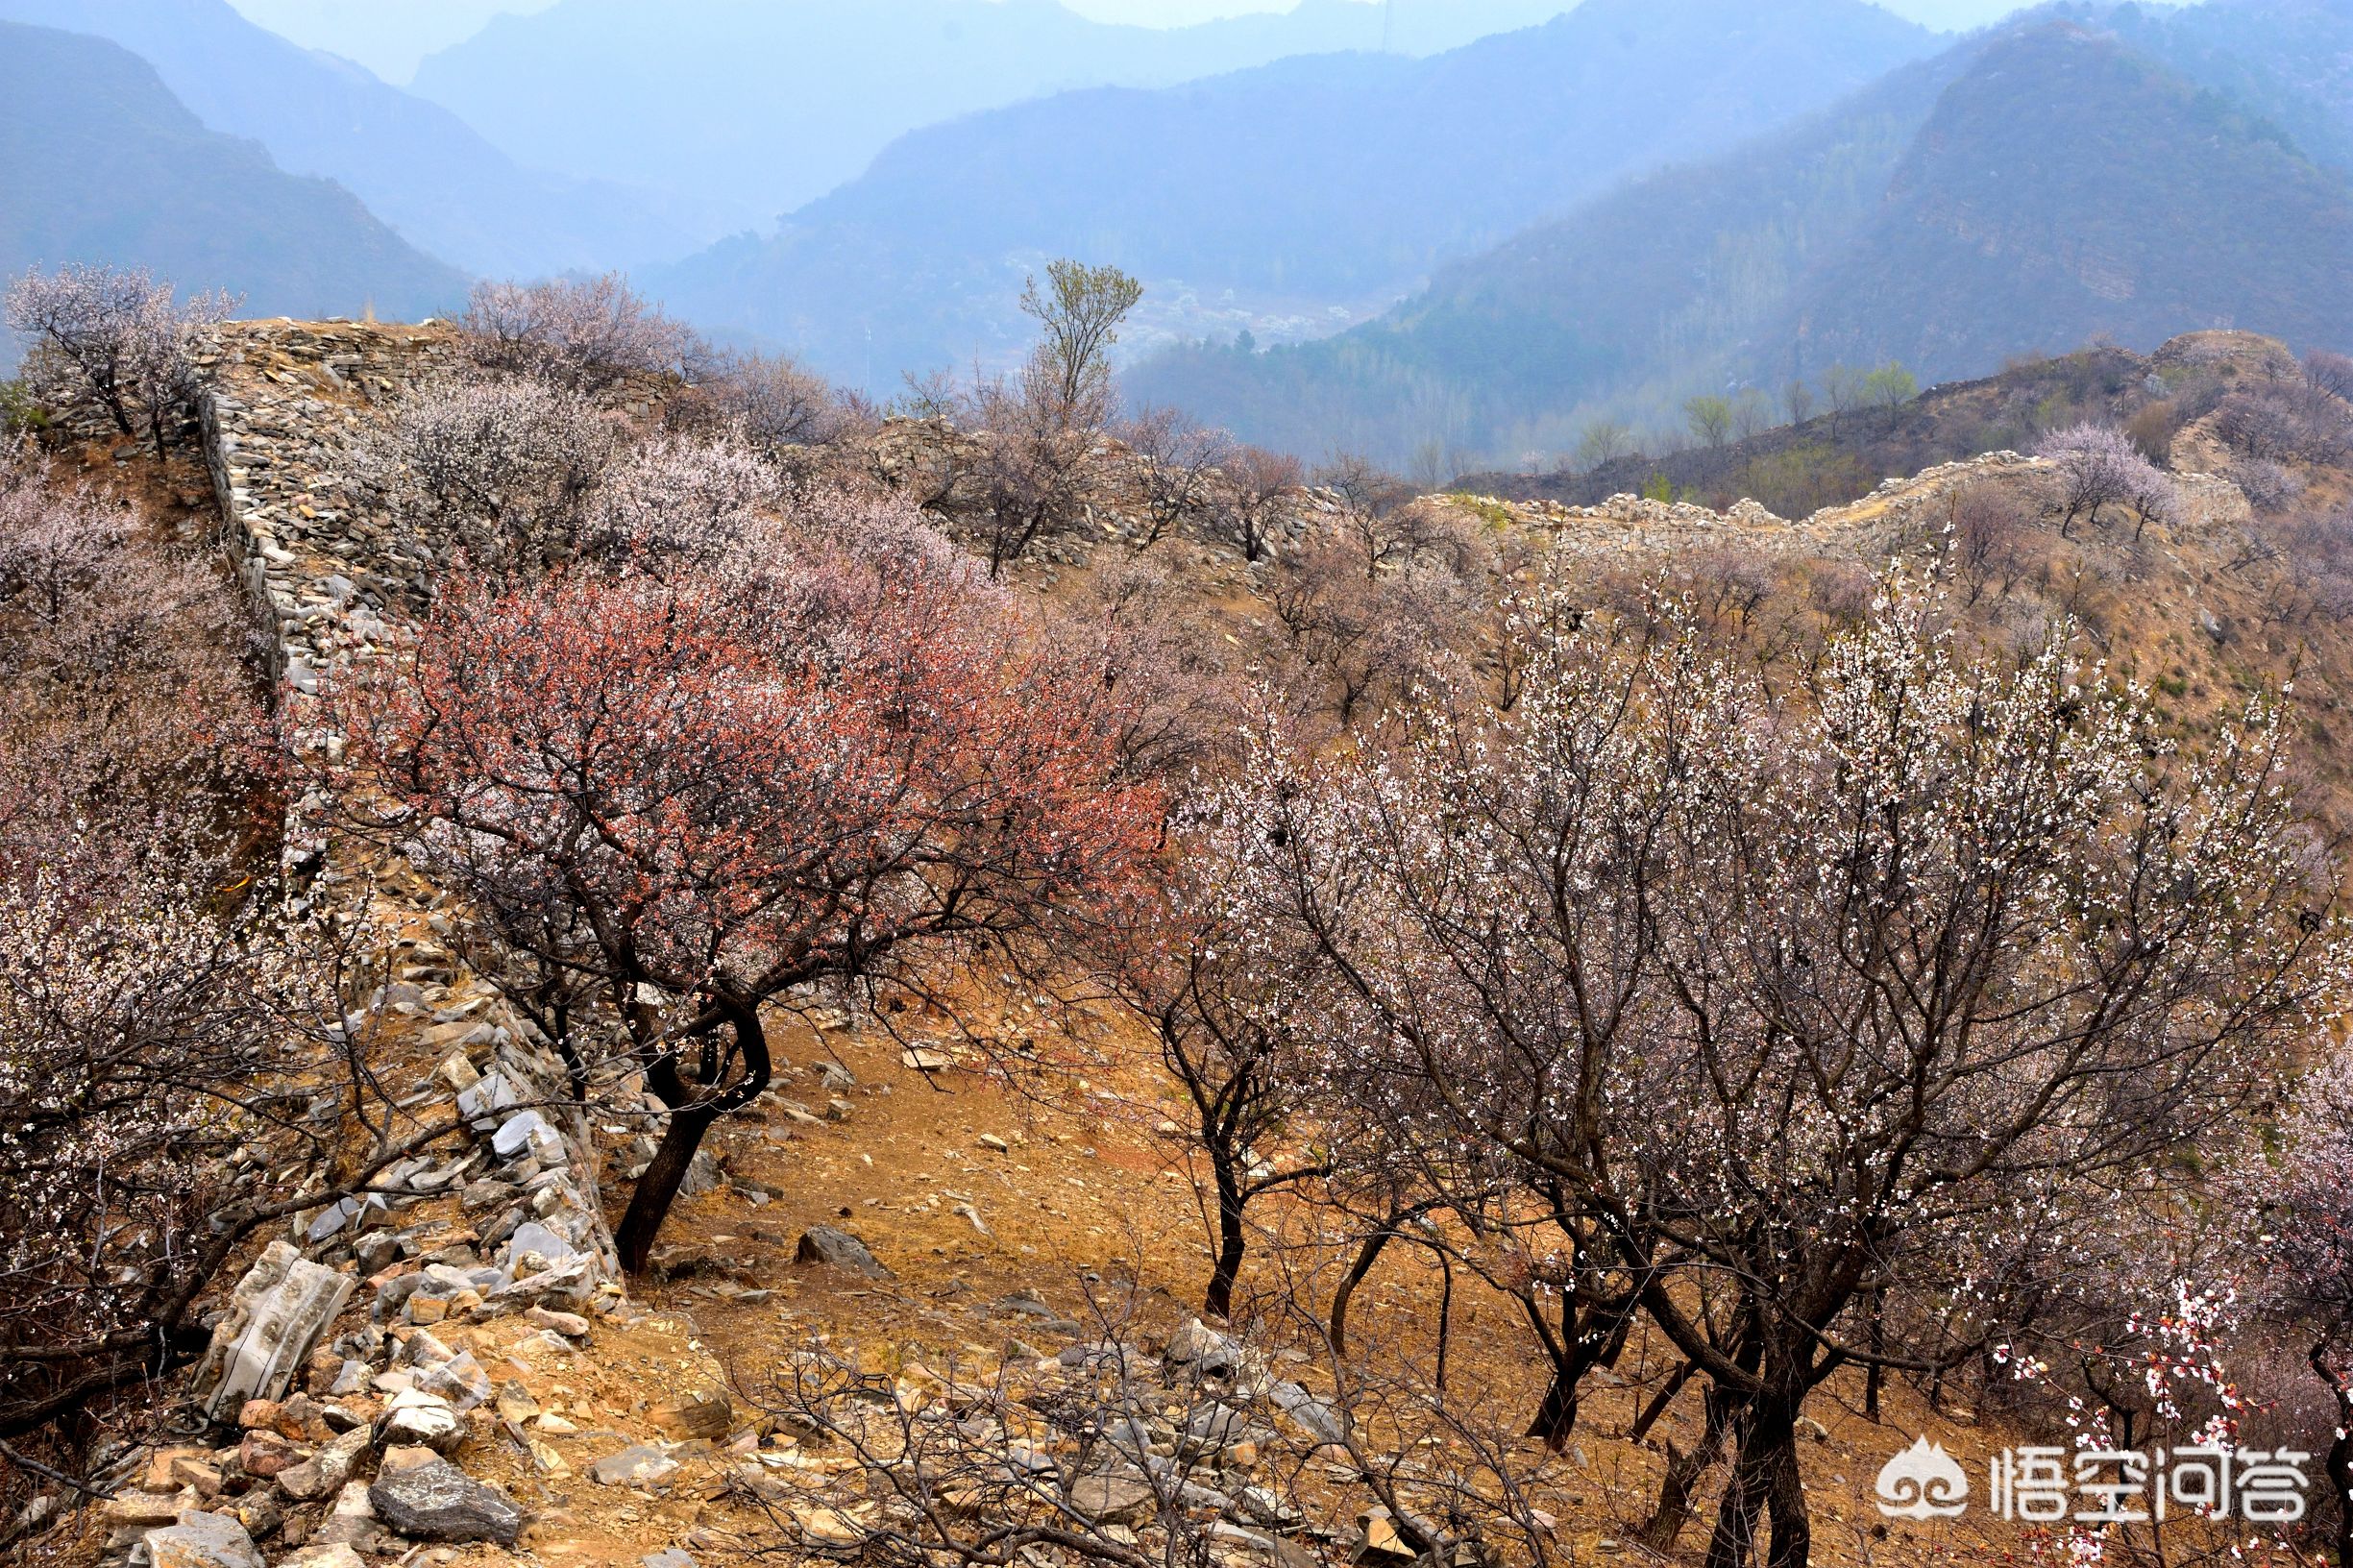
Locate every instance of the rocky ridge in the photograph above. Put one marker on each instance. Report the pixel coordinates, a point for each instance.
(1902, 508)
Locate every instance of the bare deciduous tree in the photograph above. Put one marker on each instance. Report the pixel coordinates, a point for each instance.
(774, 404)
(1176, 468)
(502, 469)
(118, 339)
(1079, 312)
(1255, 497)
(590, 335)
(1843, 389)
(1759, 1012)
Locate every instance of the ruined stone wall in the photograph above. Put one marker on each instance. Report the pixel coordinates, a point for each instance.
(1900, 509)
(286, 399)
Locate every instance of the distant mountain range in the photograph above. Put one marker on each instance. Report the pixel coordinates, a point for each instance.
(390, 38)
(2029, 189)
(1315, 185)
(445, 188)
(100, 163)
(758, 108)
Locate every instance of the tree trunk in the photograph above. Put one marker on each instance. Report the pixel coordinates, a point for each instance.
(1764, 1483)
(2340, 1468)
(1556, 1418)
(1659, 1532)
(1232, 1241)
(2340, 1461)
(693, 1112)
(1659, 1401)
(1367, 1256)
(1588, 1338)
(657, 1188)
(1875, 1375)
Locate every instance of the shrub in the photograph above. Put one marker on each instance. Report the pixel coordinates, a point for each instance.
(116, 338)
(2100, 468)
(589, 335)
(19, 412)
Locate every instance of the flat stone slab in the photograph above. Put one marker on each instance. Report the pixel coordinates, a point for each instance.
(424, 1496)
(636, 1465)
(203, 1540)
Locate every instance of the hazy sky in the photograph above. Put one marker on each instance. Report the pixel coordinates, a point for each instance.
(390, 36)
(1176, 13)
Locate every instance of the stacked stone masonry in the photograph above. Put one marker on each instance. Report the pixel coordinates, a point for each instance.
(286, 401)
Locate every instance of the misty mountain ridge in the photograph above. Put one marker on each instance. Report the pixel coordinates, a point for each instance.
(445, 188)
(100, 164)
(759, 109)
(2030, 189)
(1305, 188)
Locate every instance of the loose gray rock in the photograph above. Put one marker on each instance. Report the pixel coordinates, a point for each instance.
(702, 1175)
(636, 1465)
(1115, 1500)
(203, 1540)
(422, 1495)
(1312, 1415)
(338, 1555)
(531, 1242)
(839, 1249)
(419, 1419)
(1203, 1349)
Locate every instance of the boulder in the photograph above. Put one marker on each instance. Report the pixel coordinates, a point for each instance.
(203, 1540)
(276, 1316)
(839, 1249)
(422, 1495)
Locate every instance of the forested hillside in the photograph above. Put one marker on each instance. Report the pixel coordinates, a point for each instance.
(760, 108)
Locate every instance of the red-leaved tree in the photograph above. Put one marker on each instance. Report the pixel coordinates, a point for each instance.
(675, 800)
